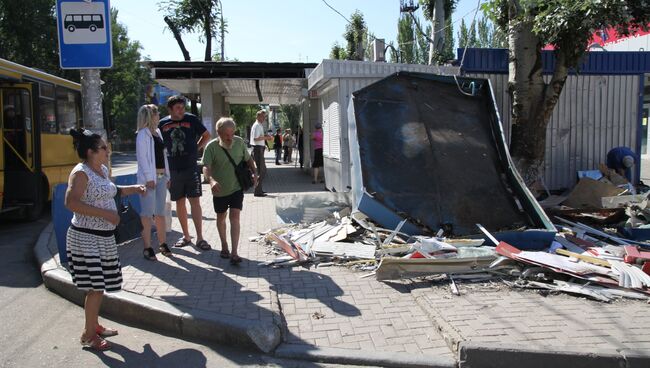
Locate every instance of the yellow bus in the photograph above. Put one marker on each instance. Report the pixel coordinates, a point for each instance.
(36, 153)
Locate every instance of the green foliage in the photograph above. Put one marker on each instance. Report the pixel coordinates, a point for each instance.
(28, 36)
(448, 52)
(338, 52)
(31, 43)
(484, 35)
(124, 84)
(569, 24)
(463, 34)
(406, 39)
(422, 46)
(196, 16)
(356, 37)
(290, 117)
(244, 116)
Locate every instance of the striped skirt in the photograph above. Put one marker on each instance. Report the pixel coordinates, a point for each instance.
(94, 262)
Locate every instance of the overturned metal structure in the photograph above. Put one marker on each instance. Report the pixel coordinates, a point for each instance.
(430, 149)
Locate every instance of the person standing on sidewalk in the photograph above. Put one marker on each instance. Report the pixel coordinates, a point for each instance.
(258, 141)
(277, 146)
(90, 241)
(300, 146)
(317, 163)
(226, 191)
(184, 135)
(153, 172)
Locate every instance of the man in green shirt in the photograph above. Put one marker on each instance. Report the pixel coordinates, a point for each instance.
(226, 190)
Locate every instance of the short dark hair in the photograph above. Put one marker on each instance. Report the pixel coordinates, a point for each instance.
(83, 140)
(176, 99)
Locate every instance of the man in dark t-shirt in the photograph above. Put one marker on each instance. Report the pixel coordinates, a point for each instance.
(184, 135)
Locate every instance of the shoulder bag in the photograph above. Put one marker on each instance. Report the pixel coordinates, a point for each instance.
(130, 226)
(242, 171)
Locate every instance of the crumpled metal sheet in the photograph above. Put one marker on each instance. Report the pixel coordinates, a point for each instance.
(436, 156)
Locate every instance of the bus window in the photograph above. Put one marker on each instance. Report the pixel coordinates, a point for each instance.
(87, 18)
(97, 18)
(46, 90)
(77, 18)
(66, 110)
(48, 119)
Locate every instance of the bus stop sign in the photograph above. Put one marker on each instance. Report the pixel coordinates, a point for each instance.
(84, 28)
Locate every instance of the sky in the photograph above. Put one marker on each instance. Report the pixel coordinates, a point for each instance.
(270, 31)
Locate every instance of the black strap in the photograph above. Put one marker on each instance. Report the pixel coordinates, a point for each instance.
(229, 158)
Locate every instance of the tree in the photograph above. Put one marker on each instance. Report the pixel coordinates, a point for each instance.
(355, 36)
(406, 39)
(31, 43)
(567, 25)
(448, 52)
(290, 116)
(437, 12)
(337, 52)
(484, 33)
(463, 35)
(125, 82)
(422, 46)
(202, 16)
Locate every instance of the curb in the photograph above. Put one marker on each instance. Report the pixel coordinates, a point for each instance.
(146, 312)
(482, 355)
(360, 357)
(447, 331)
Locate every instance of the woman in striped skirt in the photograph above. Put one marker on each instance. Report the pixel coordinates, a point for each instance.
(91, 249)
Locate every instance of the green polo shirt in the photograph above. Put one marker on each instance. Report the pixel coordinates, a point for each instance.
(221, 168)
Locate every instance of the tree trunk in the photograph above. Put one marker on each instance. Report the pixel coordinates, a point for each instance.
(177, 36)
(533, 101)
(208, 37)
(438, 37)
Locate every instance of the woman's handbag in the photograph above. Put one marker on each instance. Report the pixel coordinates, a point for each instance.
(242, 171)
(130, 226)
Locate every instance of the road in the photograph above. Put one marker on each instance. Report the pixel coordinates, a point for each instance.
(41, 329)
(123, 163)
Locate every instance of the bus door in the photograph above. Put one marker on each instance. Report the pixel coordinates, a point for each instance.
(18, 143)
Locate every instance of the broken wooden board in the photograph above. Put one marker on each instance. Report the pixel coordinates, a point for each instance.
(398, 268)
(588, 193)
(344, 250)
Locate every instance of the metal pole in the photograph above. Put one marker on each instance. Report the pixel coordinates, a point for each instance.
(91, 95)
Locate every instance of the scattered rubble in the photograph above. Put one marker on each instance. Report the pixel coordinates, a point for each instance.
(598, 264)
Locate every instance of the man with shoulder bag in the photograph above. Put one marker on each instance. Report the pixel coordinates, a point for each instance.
(230, 171)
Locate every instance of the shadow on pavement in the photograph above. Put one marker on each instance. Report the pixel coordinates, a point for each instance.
(149, 358)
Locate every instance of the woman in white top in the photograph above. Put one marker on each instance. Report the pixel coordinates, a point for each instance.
(90, 244)
(153, 172)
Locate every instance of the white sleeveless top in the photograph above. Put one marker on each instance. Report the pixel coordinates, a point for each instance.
(100, 192)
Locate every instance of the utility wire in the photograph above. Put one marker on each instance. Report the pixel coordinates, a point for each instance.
(337, 12)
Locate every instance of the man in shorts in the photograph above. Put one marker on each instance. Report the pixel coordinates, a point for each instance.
(226, 190)
(184, 135)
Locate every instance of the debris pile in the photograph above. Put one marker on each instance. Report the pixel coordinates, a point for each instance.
(582, 260)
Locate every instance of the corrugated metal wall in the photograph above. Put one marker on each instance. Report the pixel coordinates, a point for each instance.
(594, 114)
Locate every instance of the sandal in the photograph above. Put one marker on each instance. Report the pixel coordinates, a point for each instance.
(225, 253)
(182, 242)
(235, 260)
(96, 343)
(105, 331)
(149, 254)
(164, 250)
(203, 245)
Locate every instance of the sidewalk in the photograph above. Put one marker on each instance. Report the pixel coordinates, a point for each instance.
(332, 315)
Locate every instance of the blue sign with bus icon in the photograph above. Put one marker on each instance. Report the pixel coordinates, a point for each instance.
(84, 34)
